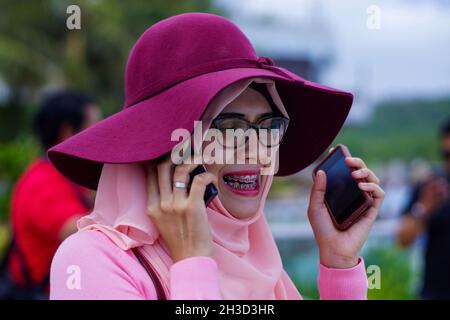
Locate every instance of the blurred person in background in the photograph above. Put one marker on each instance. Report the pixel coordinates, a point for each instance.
(45, 205)
(428, 212)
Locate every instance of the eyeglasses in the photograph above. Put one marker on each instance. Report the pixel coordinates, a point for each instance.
(235, 130)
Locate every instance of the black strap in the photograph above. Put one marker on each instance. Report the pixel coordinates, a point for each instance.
(160, 294)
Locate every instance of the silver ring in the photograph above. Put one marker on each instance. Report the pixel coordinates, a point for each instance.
(180, 185)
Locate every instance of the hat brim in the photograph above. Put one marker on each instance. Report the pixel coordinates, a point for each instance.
(143, 132)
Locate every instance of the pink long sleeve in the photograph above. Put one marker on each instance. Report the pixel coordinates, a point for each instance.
(343, 284)
(89, 266)
(195, 278)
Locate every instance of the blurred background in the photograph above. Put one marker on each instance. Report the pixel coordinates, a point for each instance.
(397, 66)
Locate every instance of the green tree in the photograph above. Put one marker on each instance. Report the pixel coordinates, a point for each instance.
(37, 49)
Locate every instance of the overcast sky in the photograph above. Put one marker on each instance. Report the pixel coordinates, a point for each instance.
(408, 56)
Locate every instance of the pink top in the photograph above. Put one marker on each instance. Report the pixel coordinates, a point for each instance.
(88, 265)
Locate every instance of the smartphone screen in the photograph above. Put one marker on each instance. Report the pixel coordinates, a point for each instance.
(342, 194)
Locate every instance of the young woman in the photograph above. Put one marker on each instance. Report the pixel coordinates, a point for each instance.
(150, 235)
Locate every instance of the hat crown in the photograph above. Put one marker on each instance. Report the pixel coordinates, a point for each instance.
(177, 48)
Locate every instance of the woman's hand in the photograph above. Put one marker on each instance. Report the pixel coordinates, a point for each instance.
(180, 216)
(340, 249)
(434, 194)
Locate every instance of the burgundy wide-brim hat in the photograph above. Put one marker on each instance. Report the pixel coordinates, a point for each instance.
(173, 71)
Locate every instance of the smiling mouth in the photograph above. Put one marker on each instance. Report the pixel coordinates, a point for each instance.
(242, 182)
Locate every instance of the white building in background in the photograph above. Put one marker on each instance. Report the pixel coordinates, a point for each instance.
(300, 39)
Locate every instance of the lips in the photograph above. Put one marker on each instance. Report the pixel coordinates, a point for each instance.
(242, 182)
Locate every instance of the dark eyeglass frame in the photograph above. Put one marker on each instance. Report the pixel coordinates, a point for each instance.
(251, 125)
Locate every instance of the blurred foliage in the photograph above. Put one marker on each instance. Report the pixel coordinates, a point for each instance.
(38, 52)
(4, 238)
(397, 277)
(283, 187)
(14, 158)
(399, 129)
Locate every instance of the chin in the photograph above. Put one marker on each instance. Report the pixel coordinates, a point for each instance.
(241, 211)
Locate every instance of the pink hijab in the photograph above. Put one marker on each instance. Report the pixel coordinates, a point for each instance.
(249, 262)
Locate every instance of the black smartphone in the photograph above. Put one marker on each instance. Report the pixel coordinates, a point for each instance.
(211, 190)
(345, 201)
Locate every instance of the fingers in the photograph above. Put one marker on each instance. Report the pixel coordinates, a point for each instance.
(436, 191)
(439, 186)
(181, 174)
(375, 189)
(164, 169)
(163, 196)
(372, 187)
(362, 171)
(318, 189)
(367, 174)
(371, 214)
(354, 162)
(317, 203)
(152, 188)
(371, 183)
(199, 184)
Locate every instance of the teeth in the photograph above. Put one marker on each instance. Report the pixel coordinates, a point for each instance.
(242, 186)
(240, 182)
(245, 179)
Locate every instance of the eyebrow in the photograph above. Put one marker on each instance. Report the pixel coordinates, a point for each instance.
(241, 115)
